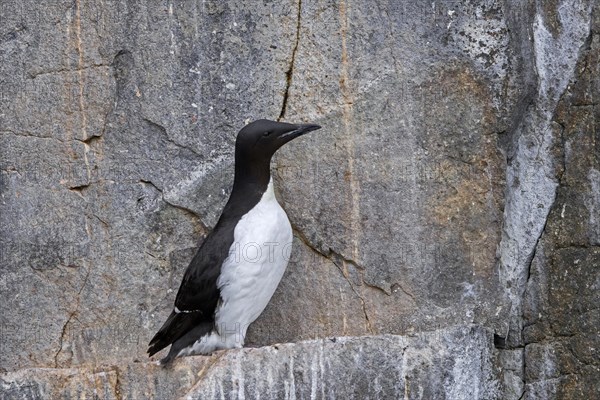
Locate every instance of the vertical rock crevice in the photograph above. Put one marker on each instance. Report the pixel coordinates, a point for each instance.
(535, 157)
(72, 314)
(289, 74)
(531, 171)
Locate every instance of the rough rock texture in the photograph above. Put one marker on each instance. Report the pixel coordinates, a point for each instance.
(456, 181)
(562, 301)
(445, 364)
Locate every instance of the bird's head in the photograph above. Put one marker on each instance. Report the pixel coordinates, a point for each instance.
(260, 139)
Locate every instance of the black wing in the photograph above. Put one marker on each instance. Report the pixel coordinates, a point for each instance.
(198, 293)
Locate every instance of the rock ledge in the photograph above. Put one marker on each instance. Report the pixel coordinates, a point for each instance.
(444, 364)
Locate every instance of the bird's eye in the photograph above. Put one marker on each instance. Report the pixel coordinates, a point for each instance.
(267, 133)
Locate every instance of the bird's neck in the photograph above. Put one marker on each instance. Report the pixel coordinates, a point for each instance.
(251, 178)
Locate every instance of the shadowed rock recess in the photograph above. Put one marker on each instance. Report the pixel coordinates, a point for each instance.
(446, 218)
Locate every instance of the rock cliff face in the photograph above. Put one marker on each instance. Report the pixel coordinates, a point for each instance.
(451, 201)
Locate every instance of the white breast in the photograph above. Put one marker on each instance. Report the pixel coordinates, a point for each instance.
(256, 263)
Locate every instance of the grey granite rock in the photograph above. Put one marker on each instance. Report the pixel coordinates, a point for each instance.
(455, 180)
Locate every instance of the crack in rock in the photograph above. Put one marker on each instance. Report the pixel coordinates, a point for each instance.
(290, 72)
(163, 131)
(179, 207)
(361, 298)
(336, 257)
(335, 260)
(71, 315)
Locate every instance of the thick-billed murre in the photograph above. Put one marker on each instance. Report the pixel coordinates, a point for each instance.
(236, 270)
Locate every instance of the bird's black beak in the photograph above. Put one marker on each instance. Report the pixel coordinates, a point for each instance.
(299, 131)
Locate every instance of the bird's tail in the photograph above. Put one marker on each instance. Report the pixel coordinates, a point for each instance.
(177, 325)
(197, 333)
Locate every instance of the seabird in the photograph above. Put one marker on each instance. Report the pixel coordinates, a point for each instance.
(236, 270)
